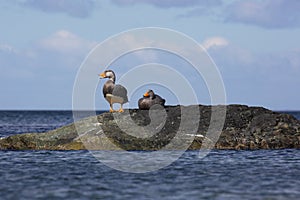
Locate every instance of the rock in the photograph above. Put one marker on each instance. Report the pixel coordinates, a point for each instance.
(244, 128)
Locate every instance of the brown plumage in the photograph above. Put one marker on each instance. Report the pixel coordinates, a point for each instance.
(113, 93)
(149, 99)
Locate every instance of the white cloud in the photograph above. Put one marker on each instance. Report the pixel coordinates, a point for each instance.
(12, 62)
(7, 48)
(214, 42)
(232, 58)
(268, 79)
(65, 42)
(61, 51)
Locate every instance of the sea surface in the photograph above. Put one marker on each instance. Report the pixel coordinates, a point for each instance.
(260, 174)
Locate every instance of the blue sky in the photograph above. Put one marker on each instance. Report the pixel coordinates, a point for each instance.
(254, 43)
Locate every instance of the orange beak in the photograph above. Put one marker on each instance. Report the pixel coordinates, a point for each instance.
(146, 94)
(102, 75)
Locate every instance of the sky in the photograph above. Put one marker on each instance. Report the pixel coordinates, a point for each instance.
(254, 44)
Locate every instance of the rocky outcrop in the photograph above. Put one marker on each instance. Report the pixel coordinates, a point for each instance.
(244, 128)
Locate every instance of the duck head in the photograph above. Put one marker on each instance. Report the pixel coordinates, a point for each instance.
(149, 93)
(108, 74)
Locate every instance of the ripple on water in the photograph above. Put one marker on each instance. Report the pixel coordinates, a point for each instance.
(221, 175)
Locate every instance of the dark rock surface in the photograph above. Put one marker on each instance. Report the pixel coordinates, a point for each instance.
(244, 128)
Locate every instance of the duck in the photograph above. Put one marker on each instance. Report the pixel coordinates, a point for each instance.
(113, 93)
(149, 99)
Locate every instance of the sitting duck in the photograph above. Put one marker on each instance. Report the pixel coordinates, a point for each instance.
(149, 99)
(113, 93)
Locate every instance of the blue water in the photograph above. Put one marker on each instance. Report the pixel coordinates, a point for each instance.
(15, 122)
(262, 174)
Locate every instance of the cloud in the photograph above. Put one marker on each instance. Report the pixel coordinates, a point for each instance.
(169, 3)
(12, 62)
(214, 42)
(41, 75)
(229, 56)
(233, 59)
(60, 52)
(267, 13)
(268, 79)
(74, 8)
(64, 41)
(7, 48)
(196, 7)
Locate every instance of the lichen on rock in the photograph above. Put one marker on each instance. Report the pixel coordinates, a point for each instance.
(244, 128)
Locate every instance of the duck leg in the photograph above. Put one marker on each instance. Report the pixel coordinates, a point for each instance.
(111, 108)
(121, 109)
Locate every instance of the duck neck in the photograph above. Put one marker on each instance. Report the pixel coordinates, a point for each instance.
(113, 79)
(152, 96)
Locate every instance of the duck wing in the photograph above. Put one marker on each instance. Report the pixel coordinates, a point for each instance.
(120, 91)
(159, 100)
(144, 103)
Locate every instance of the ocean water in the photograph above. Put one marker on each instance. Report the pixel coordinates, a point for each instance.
(261, 174)
(15, 122)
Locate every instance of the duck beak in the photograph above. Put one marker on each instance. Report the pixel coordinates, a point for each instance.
(146, 94)
(102, 75)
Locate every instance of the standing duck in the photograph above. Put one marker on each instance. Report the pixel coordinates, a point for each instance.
(113, 93)
(149, 99)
